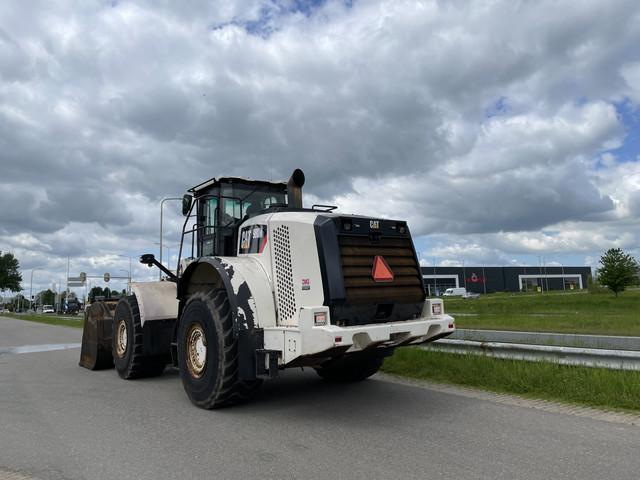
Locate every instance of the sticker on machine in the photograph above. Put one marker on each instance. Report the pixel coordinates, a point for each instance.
(253, 239)
(306, 284)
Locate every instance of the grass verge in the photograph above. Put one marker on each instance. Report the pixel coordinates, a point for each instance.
(48, 319)
(587, 313)
(595, 387)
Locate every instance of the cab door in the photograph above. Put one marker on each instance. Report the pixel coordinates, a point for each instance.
(207, 222)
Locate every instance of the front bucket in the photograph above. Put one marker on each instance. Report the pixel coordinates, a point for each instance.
(96, 336)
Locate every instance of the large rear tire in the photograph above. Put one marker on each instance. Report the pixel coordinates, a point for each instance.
(128, 348)
(208, 353)
(353, 368)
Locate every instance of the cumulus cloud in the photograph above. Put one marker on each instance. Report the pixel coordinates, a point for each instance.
(631, 74)
(484, 124)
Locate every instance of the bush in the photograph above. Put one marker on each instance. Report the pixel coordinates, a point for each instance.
(594, 287)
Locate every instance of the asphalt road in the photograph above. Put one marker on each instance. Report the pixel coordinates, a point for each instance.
(58, 420)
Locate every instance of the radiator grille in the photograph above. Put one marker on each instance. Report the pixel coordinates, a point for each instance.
(358, 253)
(284, 275)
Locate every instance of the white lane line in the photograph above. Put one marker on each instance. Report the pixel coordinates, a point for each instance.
(39, 348)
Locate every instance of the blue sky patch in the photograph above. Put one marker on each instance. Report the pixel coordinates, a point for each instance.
(497, 108)
(266, 24)
(629, 114)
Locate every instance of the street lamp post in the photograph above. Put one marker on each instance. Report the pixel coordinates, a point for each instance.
(464, 275)
(435, 278)
(484, 280)
(129, 284)
(540, 274)
(168, 247)
(128, 279)
(31, 289)
(60, 294)
(546, 277)
(161, 207)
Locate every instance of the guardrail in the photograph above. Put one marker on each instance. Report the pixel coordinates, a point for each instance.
(608, 351)
(611, 342)
(590, 357)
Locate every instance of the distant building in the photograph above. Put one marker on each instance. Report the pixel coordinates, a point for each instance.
(505, 279)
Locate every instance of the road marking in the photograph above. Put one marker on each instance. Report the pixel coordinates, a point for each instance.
(12, 475)
(39, 348)
(515, 400)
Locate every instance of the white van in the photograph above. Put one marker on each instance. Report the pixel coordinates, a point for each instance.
(454, 292)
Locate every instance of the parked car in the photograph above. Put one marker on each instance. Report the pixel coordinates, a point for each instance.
(471, 295)
(48, 309)
(71, 307)
(455, 292)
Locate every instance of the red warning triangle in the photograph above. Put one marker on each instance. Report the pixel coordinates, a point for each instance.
(381, 271)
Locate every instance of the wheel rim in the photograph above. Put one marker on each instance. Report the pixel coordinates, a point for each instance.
(121, 339)
(196, 351)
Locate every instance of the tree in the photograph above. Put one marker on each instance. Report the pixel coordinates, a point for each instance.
(19, 303)
(10, 276)
(618, 270)
(46, 297)
(95, 292)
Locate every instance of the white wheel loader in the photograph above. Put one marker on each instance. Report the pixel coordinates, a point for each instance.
(268, 285)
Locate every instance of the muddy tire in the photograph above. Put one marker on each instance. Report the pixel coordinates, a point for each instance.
(351, 369)
(208, 353)
(128, 348)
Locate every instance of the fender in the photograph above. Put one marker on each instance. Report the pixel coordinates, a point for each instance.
(157, 300)
(250, 298)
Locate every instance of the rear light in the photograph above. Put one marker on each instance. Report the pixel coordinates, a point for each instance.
(401, 228)
(320, 319)
(346, 225)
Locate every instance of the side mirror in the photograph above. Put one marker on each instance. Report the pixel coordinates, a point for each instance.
(186, 204)
(148, 259)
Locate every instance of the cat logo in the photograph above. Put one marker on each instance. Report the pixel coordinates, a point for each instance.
(374, 224)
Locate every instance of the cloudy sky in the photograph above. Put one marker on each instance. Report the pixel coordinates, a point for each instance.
(505, 132)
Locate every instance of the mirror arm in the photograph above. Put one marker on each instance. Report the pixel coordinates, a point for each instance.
(150, 260)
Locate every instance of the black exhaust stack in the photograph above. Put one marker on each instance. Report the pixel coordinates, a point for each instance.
(294, 189)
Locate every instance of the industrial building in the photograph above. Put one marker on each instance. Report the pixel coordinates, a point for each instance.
(505, 279)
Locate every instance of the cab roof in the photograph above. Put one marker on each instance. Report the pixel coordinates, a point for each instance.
(216, 182)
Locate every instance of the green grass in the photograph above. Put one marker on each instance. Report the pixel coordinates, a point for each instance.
(570, 312)
(596, 387)
(48, 319)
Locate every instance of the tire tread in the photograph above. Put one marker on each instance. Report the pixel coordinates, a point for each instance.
(232, 389)
(140, 365)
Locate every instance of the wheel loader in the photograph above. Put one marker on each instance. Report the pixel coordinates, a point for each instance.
(264, 284)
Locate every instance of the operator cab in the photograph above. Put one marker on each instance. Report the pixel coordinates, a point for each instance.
(215, 209)
(221, 205)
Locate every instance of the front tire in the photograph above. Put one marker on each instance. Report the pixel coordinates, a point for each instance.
(128, 348)
(208, 353)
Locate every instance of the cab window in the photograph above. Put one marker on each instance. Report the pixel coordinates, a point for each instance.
(210, 215)
(231, 211)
